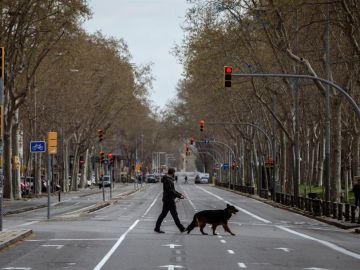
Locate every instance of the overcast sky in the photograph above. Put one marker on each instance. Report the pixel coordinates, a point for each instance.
(151, 28)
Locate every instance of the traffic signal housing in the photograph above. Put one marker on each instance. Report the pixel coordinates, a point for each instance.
(102, 157)
(191, 141)
(202, 124)
(227, 76)
(187, 150)
(111, 159)
(100, 134)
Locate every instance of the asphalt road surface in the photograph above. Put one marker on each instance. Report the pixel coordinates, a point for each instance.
(121, 236)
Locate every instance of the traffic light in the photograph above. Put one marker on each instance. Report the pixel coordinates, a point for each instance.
(234, 166)
(111, 159)
(52, 142)
(102, 157)
(100, 135)
(191, 141)
(202, 124)
(187, 150)
(227, 76)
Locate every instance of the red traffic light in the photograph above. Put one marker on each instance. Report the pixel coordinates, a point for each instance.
(228, 69)
(227, 76)
(191, 141)
(100, 134)
(202, 124)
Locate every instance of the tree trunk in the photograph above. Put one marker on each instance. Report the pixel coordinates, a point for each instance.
(8, 188)
(283, 162)
(336, 151)
(15, 152)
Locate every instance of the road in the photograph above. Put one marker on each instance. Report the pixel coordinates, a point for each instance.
(121, 236)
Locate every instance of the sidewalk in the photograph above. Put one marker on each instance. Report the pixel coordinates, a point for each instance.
(9, 237)
(352, 227)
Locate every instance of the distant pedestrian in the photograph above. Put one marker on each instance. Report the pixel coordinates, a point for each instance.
(186, 180)
(356, 190)
(176, 178)
(169, 195)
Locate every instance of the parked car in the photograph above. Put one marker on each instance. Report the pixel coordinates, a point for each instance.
(151, 178)
(105, 180)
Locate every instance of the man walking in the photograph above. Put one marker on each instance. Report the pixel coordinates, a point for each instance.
(169, 195)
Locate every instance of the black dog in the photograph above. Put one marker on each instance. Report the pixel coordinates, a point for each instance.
(213, 217)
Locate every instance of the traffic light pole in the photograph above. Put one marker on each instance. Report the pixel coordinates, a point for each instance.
(299, 76)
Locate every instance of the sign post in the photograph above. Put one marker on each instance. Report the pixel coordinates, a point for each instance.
(52, 150)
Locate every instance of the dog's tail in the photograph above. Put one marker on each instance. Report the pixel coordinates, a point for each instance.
(192, 225)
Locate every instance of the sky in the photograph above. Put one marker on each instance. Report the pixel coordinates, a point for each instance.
(151, 28)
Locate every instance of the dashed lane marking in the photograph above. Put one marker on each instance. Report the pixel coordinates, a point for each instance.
(230, 251)
(223, 241)
(242, 265)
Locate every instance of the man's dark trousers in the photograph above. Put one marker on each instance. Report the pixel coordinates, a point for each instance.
(169, 206)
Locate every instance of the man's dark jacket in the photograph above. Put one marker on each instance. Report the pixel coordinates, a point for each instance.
(170, 193)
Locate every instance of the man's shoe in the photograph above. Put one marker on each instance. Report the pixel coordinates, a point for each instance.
(182, 229)
(158, 231)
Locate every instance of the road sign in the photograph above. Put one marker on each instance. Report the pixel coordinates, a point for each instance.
(37, 147)
(225, 166)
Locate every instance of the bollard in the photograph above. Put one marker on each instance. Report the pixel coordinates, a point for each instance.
(353, 211)
(59, 196)
(292, 200)
(277, 197)
(316, 207)
(340, 213)
(301, 203)
(347, 212)
(327, 208)
(334, 209)
(282, 198)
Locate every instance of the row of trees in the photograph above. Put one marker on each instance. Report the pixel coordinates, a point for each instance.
(60, 78)
(273, 36)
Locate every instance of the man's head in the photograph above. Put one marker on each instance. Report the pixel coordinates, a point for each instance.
(171, 172)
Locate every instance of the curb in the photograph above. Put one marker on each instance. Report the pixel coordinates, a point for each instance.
(22, 210)
(297, 211)
(12, 240)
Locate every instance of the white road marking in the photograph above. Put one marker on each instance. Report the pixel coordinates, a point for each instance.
(242, 265)
(117, 244)
(19, 268)
(79, 239)
(28, 223)
(57, 246)
(237, 207)
(284, 249)
(171, 245)
(316, 268)
(171, 266)
(151, 205)
(190, 201)
(219, 236)
(178, 251)
(223, 241)
(325, 243)
(230, 251)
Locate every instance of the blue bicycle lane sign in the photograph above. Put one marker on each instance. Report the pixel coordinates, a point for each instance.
(37, 146)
